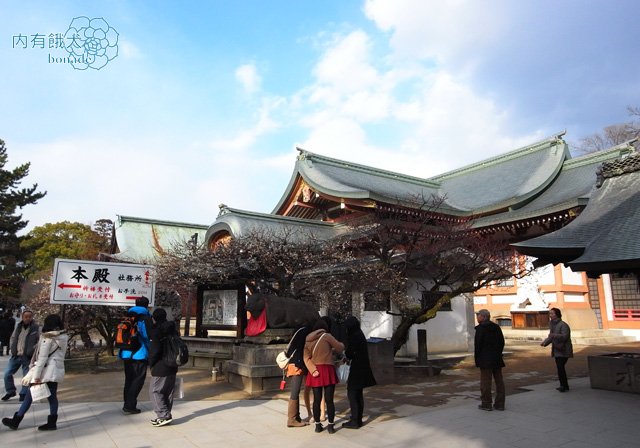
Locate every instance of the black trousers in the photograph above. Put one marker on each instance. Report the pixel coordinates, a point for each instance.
(135, 373)
(562, 373)
(356, 403)
(328, 400)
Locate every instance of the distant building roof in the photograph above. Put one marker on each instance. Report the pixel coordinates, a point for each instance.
(604, 237)
(142, 240)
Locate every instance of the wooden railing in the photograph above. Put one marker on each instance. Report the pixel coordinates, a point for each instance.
(626, 314)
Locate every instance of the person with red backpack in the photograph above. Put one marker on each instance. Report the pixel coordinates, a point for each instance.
(134, 351)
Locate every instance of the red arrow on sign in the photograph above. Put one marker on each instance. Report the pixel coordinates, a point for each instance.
(62, 286)
(132, 297)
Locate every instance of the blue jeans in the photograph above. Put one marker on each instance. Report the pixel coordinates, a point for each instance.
(15, 362)
(53, 401)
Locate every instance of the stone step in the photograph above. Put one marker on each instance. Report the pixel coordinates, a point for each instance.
(579, 337)
(604, 340)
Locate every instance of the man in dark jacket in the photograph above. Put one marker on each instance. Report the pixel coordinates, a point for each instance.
(489, 344)
(22, 345)
(135, 362)
(163, 376)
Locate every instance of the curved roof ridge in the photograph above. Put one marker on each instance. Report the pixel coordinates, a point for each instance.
(549, 141)
(601, 156)
(136, 219)
(225, 210)
(308, 155)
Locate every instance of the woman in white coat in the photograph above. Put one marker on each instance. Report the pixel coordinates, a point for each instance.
(47, 366)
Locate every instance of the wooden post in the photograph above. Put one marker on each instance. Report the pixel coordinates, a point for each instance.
(422, 348)
(187, 317)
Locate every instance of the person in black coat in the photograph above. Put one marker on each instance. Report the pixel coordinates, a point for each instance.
(7, 325)
(360, 374)
(489, 344)
(163, 377)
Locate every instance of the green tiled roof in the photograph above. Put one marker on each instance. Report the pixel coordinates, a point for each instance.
(508, 180)
(572, 187)
(141, 240)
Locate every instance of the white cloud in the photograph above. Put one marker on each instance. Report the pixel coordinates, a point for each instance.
(247, 75)
(354, 110)
(445, 31)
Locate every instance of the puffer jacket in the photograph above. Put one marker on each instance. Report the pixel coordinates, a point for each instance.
(143, 322)
(47, 363)
(560, 339)
(323, 353)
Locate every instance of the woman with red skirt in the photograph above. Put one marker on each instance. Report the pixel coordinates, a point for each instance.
(319, 350)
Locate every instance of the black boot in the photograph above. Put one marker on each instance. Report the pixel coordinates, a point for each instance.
(351, 424)
(14, 422)
(330, 428)
(318, 427)
(50, 425)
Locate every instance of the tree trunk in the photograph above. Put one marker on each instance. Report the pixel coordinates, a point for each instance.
(86, 338)
(401, 333)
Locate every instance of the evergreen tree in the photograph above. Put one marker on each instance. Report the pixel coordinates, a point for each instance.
(12, 199)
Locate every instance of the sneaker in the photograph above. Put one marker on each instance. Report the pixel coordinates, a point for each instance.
(131, 411)
(7, 396)
(485, 407)
(162, 422)
(154, 422)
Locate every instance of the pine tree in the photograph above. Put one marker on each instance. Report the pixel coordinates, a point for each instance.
(12, 199)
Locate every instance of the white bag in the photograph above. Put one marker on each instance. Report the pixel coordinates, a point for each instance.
(39, 391)
(282, 360)
(343, 373)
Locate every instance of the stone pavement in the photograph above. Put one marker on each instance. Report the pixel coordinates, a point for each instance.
(538, 416)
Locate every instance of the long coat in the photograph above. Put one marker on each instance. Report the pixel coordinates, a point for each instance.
(360, 373)
(489, 344)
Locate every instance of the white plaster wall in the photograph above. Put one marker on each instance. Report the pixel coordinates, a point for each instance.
(546, 275)
(571, 278)
(377, 324)
(449, 331)
(550, 297)
(508, 298)
(572, 297)
(481, 300)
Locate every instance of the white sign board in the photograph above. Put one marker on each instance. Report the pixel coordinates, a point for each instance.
(82, 282)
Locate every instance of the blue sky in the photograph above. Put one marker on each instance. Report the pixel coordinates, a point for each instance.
(206, 101)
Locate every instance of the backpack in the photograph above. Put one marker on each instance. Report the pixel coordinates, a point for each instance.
(126, 334)
(175, 352)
